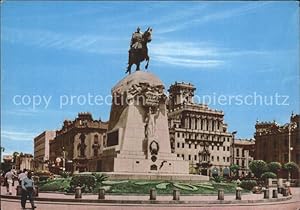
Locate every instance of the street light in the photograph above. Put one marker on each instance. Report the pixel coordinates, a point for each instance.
(233, 137)
(291, 126)
(64, 159)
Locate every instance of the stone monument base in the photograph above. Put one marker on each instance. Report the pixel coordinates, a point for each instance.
(158, 176)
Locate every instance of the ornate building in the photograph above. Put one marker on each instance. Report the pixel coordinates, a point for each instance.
(41, 149)
(79, 144)
(243, 153)
(278, 143)
(198, 133)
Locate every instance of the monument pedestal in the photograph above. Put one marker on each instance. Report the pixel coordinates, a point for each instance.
(138, 135)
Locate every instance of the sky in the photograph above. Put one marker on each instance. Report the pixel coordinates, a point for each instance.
(56, 57)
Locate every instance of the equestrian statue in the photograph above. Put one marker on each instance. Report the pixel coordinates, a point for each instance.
(138, 51)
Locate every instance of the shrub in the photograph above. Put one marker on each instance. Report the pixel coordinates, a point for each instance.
(65, 174)
(258, 167)
(234, 168)
(248, 184)
(87, 183)
(218, 179)
(268, 175)
(274, 167)
(40, 176)
(99, 177)
(291, 167)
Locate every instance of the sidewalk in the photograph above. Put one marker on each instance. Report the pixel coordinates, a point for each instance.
(60, 197)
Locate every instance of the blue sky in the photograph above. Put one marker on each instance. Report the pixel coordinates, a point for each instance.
(55, 49)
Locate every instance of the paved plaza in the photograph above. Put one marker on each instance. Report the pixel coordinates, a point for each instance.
(11, 204)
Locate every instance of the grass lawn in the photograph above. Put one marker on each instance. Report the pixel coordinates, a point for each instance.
(144, 186)
(59, 184)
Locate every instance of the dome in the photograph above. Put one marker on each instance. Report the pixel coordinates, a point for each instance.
(136, 78)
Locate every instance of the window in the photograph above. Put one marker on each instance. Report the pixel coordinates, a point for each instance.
(190, 146)
(218, 148)
(195, 157)
(224, 159)
(195, 146)
(243, 153)
(218, 158)
(243, 163)
(182, 156)
(178, 144)
(227, 159)
(212, 147)
(237, 162)
(237, 152)
(178, 155)
(178, 135)
(212, 158)
(189, 157)
(223, 148)
(182, 145)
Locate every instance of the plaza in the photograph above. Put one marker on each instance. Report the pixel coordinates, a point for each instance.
(47, 201)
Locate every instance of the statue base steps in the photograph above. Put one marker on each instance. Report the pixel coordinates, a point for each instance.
(156, 176)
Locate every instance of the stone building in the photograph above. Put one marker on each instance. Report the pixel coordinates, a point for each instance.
(198, 133)
(243, 153)
(24, 161)
(276, 142)
(41, 149)
(78, 144)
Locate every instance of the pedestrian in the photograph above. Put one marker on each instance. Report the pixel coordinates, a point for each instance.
(288, 185)
(28, 190)
(22, 176)
(10, 179)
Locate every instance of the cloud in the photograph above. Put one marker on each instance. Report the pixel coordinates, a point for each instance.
(187, 62)
(186, 54)
(88, 43)
(201, 54)
(243, 10)
(13, 135)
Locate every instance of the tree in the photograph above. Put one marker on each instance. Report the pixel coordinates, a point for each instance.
(258, 167)
(274, 167)
(15, 154)
(267, 175)
(291, 167)
(234, 168)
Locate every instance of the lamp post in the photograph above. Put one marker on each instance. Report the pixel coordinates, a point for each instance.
(233, 138)
(64, 159)
(290, 127)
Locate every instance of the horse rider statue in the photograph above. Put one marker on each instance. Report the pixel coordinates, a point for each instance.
(138, 48)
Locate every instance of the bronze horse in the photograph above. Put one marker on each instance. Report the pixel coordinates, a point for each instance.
(136, 56)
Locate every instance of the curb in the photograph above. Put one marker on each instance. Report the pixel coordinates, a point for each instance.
(152, 201)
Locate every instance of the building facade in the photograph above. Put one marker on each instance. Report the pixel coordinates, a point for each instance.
(280, 143)
(198, 133)
(243, 153)
(24, 161)
(78, 145)
(41, 149)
